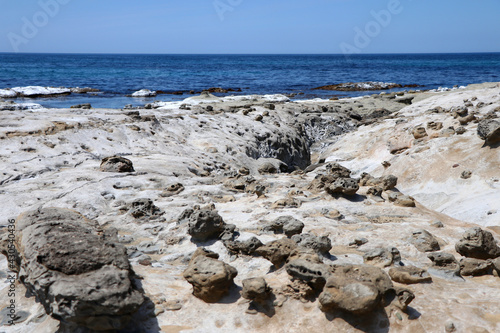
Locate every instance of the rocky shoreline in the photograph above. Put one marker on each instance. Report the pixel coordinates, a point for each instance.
(256, 214)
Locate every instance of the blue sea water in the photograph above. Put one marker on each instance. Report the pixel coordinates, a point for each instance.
(119, 75)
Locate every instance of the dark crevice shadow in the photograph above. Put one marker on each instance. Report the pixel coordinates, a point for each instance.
(232, 296)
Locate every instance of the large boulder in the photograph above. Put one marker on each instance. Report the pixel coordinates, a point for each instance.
(489, 130)
(358, 289)
(116, 164)
(78, 272)
(277, 251)
(479, 244)
(205, 224)
(345, 186)
(424, 241)
(320, 244)
(210, 278)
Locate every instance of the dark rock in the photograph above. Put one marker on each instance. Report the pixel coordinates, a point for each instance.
(359, 86)
(489, 130)
(358, 289)
(116, 164)
(313, 273)
(345, 186)
(424, 241)
(466, 174)
(479, 244)
(210, 278)
(77, 271)
(85, 106)
(205, 224)
(144, 208)
(247, 247)
(277, 251)
(409, 274)
(320, 244)
(474, 267)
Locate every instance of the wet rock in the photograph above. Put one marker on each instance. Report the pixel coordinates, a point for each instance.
(256, 289)
(385, 182)
(424, 241)
(474, 267)
(320, 244)
(382, 257)
(419, 132)
(205, 224)
(358, 289)
(277, 251)
(247, 247)
(409, 275)
(210, 278)
(143, 208)
(172, 189)
(344, 186)
(77, 271)
(479, 244)
(116, 164)
(85, 106)
(285, 224)
(489, 130)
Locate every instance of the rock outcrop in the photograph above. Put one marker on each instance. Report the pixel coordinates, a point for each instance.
(479, 244)
(489, 130)
(78, 272)
(116, 164)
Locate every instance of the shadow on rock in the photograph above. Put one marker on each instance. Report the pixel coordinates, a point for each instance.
(232, 296)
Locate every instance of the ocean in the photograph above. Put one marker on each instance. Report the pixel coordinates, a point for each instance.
(119, 75)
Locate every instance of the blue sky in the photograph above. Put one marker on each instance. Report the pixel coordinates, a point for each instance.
(249, 26)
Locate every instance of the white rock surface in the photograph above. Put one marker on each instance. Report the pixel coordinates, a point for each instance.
(144, 93)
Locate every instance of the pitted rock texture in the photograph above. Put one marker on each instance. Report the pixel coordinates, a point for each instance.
(117, 164)
(78, 272)
(479, 244)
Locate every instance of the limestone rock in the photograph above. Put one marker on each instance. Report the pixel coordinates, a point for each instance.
(320, 244)
(385, 182)
(409, 275)
(277, 251)
(355, 288)
(172, 189)
(479, 244)
(210, 278)
(444, 265)
(382, 257)
(247, 247)
(489, 130)
(205, 224)
(80, 274)
(419, 132)
(267, 168)
(307, 271)
(474, 267)
(424, 241)
(116, 164)
(255, 289)
(345, 186)
(402, 200)
(286, 224)
(337, 171)
(144, 208)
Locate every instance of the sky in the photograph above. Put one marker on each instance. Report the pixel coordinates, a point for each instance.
(249, 26)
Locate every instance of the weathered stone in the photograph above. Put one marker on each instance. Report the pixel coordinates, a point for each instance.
(424, 241)
(277, 251)
(210, 278)
(247, 247)
(116, 164)
(345, 186)
(382, 257)
(435, 126)
(402, 200)
(255, 289)
(172, 189)
(419, 132)
(307, 271)
(355, 288)
(267, 167)
(337, 171)
(320, 244)
(80, 274)
(143, 208)
(205, 224)
(385, 182)
(474, 267)
(479, 244)
(489, 130)
(409, 275)
(444, 264)
(285, 224)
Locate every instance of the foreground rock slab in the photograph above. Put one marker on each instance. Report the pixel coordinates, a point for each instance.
(78, 272)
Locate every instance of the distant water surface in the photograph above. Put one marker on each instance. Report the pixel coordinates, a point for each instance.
(119, 75)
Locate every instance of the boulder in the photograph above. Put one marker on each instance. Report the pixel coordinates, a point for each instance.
(78, 272)
(205, 224)
(409, 275)
(358, 289)
(255, 289)
(489, 130)
(474, 267)
(479, 244)
(345, 186)
(320, 244)
(444, 265)
(277, 251)
(247, 247)
(382, 257)
(385, 182)
(313, 273)
(424, 241)
(210, 278)
(285, 224)
(337, 171)
(116, 164)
